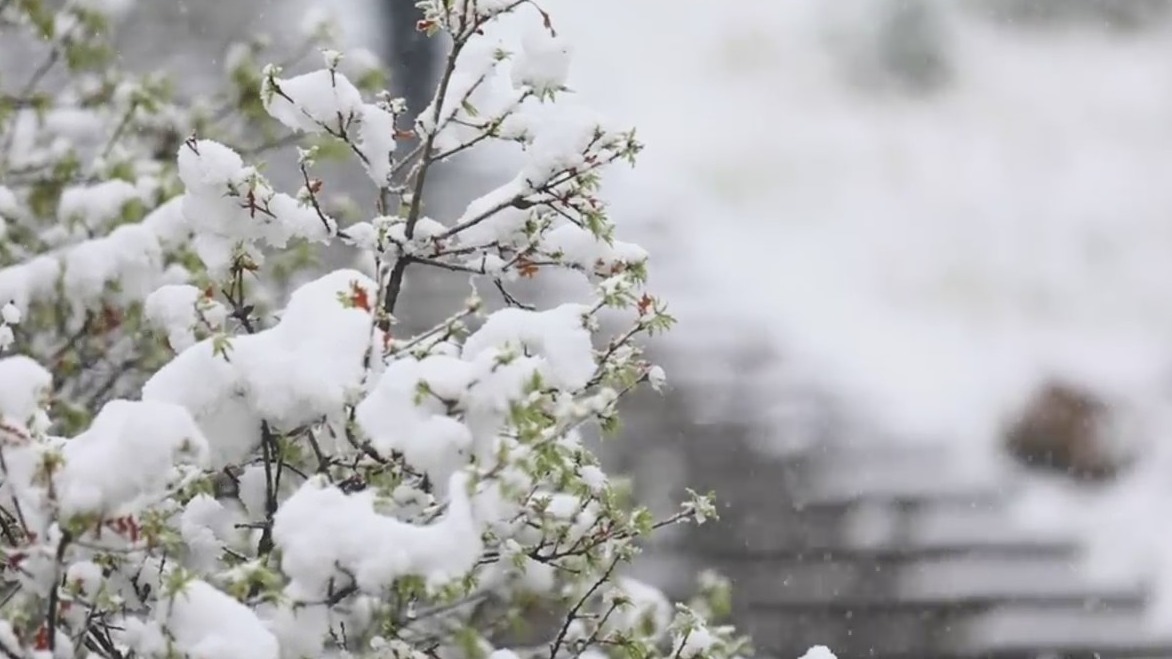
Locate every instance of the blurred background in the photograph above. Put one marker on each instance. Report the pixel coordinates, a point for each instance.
(921, 255)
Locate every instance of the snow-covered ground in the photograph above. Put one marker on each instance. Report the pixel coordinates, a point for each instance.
(927, 259)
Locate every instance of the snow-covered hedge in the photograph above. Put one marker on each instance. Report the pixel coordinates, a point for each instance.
(190, 469)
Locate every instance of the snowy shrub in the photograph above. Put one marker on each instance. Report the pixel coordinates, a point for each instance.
(190, 469)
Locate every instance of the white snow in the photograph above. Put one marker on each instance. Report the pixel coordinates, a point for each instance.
(695, 643)
(594, 477)
(647, 606)
(24, 386)
(397, 418)
(202, 525)
(320, 529)
(408, 409)
(96, 205)
(544, 61)
(503, 226)
(179, 309)
(124, 457)
(130, 255)
(87, 576)
(561, 144)
(314, 102)
(376, 140)
(302, 369)
(10, 314)
(230, 206)
(9, 206)
(557, 335)
(577, 246)
(208, 623)
(818, 652)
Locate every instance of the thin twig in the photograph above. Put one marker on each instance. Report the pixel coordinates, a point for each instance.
(573, 613)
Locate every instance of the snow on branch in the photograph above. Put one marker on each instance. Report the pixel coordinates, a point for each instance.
(210, 446)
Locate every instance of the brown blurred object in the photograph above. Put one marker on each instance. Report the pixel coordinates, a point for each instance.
(1063, 429)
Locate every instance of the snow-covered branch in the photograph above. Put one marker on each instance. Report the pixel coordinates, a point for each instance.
(192, 465)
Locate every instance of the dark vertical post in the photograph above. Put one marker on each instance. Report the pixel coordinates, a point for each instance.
(913, 49)
(410, 54)
(415, 62)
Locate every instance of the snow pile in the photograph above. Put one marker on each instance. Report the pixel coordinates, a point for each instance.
(125, 456)
(578, 246)
(10, 316)
(322, 101)
(559, 336)
(96, 205)
(408, 409)
(544, 62)
(24, 386)
(648, 606)
(322, 531)
(181, 309)
(129, 256)
(231, 209)
(818, 652)
(303, 368)
(205, 622)
(91, 266)
(325, 101)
